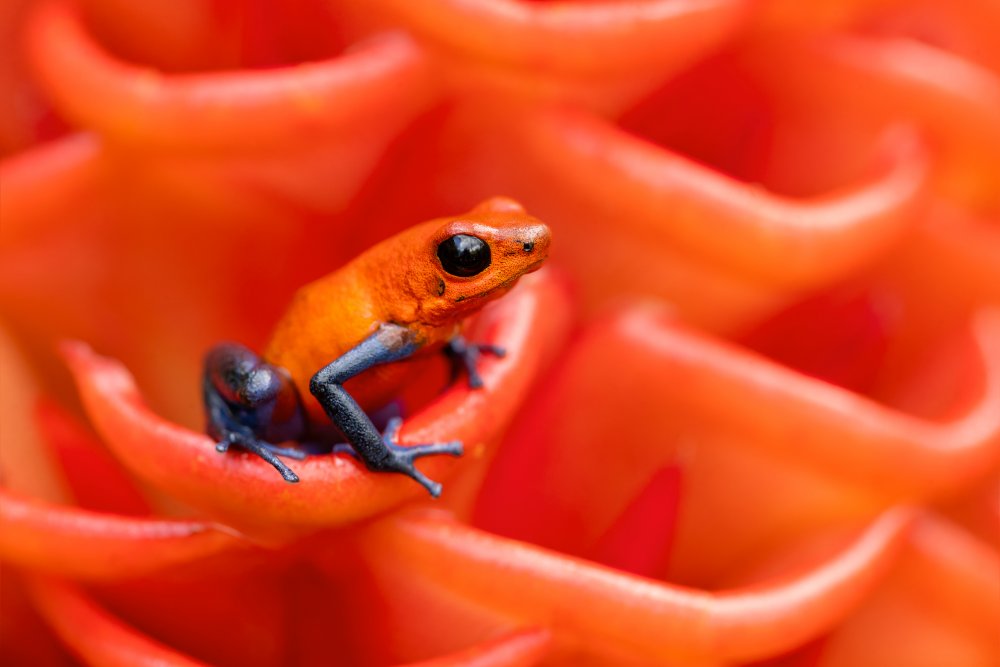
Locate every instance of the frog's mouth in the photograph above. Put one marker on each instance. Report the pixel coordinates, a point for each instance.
(505, 286)
(500, 289)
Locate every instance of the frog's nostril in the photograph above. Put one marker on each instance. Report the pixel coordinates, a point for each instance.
(529, 246)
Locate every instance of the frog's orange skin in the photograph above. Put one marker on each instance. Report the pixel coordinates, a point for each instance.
(352, 340)
(399, 281)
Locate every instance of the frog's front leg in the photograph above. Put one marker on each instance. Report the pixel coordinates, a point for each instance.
(251, 404)
(379, 451)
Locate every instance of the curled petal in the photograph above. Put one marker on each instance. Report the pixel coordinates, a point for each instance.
(841, 336)
(26, 463)
(25, 638)
(45, 186)
(576, 38)
(955, 99)
(246, 491)
(846, 435)
(641, 536)
(773, 14)
(380, 81)
(738, 228)
(965, 271)
(91, 545)
(24, 118)
(72, 258)
(615, 611)
(517, 649)
(96, 482)
(961, 26)
(941, 606)
(52, 197)
(307, 134)
(746, 434)
(95, 635)
(966, 579)
(979, 512)
(175, 35)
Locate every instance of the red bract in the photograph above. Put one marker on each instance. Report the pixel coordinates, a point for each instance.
(750, 416)
(333, 490)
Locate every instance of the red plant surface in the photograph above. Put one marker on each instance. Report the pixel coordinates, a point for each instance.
(750, 415)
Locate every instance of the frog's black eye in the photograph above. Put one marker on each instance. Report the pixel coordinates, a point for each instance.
(464, 255)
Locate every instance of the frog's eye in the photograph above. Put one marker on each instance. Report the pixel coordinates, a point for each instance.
(463, 255)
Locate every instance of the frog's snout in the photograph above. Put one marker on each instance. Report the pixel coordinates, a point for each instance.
(534, 241)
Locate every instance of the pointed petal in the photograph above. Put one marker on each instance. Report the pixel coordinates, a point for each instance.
(76, 543)
(610, 610)
(246, 492)
(95, 635)
(523, 648)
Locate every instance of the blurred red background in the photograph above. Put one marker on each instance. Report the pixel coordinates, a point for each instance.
(751, 410)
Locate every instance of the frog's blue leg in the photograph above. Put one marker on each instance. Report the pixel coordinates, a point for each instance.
(465, 356)
(251, 404)
(379, 451)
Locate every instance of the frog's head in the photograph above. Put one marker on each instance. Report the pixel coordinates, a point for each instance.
(476, 257)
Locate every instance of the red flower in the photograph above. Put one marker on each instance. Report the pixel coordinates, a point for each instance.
(751, 415)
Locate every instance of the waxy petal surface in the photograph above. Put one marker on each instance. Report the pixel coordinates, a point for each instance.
(765, 238)
(802, 196)
(95, 635)
(517, 649)
(232, 110)
(333, 489)
(638, 616)
(71, 542)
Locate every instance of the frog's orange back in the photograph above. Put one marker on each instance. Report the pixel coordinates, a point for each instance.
(402, 281)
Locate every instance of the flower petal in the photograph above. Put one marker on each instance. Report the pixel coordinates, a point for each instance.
(610, 610)
(224, 110)
(517, 649)
(798, 418)
(640, 538)
(940, 606)
(97, 483)
(745, 432)
(956, 100)
(307, 135)
(602, 55)
(246, 491)
(91, 545)
(734, 226)
(573, 36)
(25, 639)
(26, 463)
(95, 635)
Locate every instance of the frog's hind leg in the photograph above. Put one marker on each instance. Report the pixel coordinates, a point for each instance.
(252, 404)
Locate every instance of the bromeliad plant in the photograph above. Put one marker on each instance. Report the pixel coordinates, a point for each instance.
(750, 415)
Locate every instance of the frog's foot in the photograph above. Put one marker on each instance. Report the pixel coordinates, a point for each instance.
(402, 456)
(466, 355)
(264, 450)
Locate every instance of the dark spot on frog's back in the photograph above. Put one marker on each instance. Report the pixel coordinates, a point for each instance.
(440, 289)
(459, 299)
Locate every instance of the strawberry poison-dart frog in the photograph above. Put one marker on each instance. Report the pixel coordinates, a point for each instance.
(354, 338)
